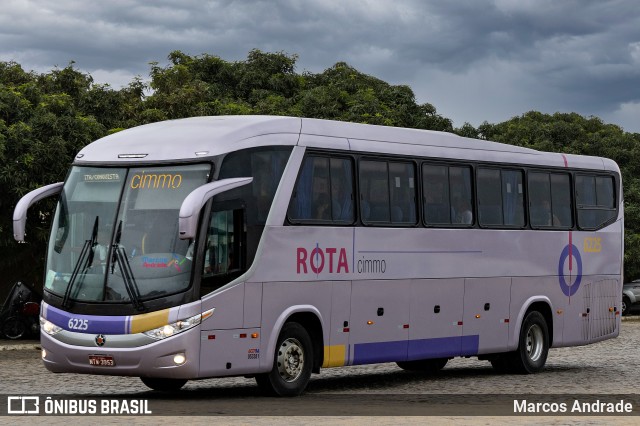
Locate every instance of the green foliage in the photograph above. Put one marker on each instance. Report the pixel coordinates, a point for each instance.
(45, 119)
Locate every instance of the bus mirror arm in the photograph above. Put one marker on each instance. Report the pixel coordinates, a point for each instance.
(20, 212)
(193, 203)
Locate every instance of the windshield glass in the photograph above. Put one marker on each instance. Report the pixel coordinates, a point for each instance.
(115, 233)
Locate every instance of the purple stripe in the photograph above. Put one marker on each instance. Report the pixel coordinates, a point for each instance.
(470, 345)
(443, 347)
(90, 324)
(371, 353)
(410, 350)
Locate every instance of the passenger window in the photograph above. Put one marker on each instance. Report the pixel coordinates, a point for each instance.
(374, 191)
(447, 195)
(595, 200)
(549, 200)
(461, 195)
(342, 190)
(489, 197)
(435, 194)
(324, 191)
(561, 200)
(403, 199)
(500, 198)
(512, 198)
(387, 192)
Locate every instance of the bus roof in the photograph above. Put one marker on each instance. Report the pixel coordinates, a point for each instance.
(202, 137)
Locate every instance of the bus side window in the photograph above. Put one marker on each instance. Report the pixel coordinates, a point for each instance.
(512, 198)
(539, 200)
(324, 191)
(595, 200)
(374, 190)
(403, 196)
(447, 195)
(435, 194)
(224, 251)
(461, 195)
(342, 190)
(549, 200)
(561, 200)
(311, 198)
(489, 197)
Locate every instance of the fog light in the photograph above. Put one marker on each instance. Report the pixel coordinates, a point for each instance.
(179, 359)
(44, 354)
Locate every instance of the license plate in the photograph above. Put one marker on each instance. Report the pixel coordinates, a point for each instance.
(101, 360)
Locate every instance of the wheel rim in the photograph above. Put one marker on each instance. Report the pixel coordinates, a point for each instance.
(14, 329)
(290, 360)
(535, 342)
(624, 306)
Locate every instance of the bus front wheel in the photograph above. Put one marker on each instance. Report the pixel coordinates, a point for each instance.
(291, 365)
(533, 345)
(163, 385)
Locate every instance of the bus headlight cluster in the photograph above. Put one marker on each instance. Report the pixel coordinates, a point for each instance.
(178, 326)
(49, 327)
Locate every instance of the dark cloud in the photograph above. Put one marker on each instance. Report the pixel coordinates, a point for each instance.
(474, 60)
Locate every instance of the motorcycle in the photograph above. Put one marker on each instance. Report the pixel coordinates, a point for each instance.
(20, 314)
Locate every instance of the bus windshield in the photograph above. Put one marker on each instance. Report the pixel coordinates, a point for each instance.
(115, 234)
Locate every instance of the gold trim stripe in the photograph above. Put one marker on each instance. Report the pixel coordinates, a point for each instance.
(334, 356)
(144, 322)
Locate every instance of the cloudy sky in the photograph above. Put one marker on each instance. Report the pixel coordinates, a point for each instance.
(474, 60)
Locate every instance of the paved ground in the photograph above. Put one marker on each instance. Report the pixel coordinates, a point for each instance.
(606, 368)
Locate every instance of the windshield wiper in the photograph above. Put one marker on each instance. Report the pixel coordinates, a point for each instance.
(120, 256)
(84, 261)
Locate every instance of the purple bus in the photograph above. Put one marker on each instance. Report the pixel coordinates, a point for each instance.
(273, 247)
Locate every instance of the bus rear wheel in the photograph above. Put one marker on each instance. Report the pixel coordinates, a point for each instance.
(163, 385)
(291, 365)
(424, 365)
(533, 345)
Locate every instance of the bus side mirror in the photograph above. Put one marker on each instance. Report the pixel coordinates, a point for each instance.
(191, 206)
(20, 212)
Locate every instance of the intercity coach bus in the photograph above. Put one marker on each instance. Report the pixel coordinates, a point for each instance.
(272, 247)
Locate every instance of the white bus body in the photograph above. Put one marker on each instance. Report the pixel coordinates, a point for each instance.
(289, 293)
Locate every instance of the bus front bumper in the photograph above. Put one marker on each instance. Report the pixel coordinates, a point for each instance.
(123, 355)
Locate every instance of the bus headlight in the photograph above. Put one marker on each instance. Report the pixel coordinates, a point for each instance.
(49, 327)
(178, 326)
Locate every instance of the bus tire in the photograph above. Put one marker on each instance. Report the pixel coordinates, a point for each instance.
(626, 304)
(14, 328)
(533, 345)
(292, 363)
(424, 365)
(163, 385)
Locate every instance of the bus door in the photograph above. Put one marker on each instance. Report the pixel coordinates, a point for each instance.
(379, 326)
(486, 314)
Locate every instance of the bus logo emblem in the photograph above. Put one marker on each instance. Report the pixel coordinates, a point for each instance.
(569, 253)
(100, 340)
